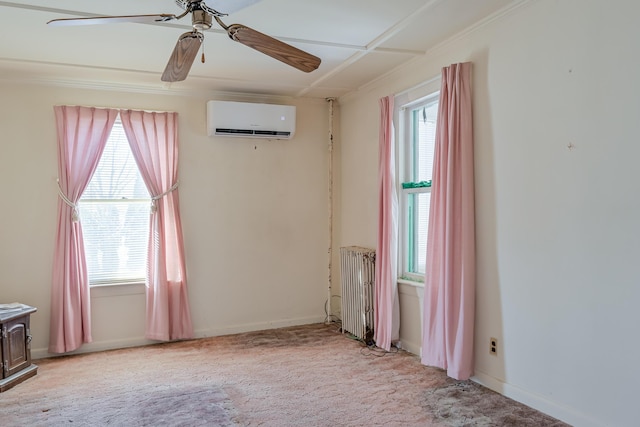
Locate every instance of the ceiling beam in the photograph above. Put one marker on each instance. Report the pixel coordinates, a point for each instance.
(371, 47)
(75, 13)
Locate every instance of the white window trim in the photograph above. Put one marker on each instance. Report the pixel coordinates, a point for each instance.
(404, 102)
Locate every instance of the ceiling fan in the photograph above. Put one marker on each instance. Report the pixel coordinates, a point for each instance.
(202, 16)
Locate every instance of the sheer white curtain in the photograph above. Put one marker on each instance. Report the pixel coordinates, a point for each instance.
(153, 137)
(82, 135)
(449, 295)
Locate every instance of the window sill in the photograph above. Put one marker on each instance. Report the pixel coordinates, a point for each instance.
(411, 283)
(117, 289)
(410, 288)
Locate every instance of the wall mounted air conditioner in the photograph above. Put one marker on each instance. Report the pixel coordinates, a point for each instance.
(251, 120)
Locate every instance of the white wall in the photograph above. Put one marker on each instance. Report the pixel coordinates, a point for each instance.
(557, 228)
(254, 217)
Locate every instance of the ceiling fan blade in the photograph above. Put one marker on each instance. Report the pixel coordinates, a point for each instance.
(281, 51)
(162, 17)
(182, 57)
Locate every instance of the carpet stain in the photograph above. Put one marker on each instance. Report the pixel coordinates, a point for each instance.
(467, 404)
(140, 406)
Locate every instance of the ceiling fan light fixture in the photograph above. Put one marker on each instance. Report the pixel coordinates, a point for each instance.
(200, 20)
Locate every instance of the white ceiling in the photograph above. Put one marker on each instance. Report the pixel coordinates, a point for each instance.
(357, 40)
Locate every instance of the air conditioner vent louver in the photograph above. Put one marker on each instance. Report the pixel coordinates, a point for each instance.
(223, 131)
(250, 133)
(250, 120)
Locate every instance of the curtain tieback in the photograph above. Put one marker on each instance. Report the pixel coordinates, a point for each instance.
(154, 199)
(74, 215)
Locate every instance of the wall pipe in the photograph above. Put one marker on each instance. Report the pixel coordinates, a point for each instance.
(330, 210)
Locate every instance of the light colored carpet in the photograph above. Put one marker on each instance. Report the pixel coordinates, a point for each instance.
(300, 376)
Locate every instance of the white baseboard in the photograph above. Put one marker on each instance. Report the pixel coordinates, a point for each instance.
(258, 326)
(563, 413)
(40, 353)
(411, 347)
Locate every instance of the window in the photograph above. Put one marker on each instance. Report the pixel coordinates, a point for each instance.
(114, 211)
(418, 121)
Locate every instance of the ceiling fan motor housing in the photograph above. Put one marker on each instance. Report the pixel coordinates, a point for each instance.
(200, 20)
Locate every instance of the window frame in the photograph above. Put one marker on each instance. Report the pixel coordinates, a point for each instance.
(112, 280)
(405, 172)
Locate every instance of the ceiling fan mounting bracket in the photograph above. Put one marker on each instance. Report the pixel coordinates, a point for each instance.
(194, 5)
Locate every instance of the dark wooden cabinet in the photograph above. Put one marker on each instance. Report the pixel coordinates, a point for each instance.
(15, 347)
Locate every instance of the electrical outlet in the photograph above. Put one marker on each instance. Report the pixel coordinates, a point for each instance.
(493, 346)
